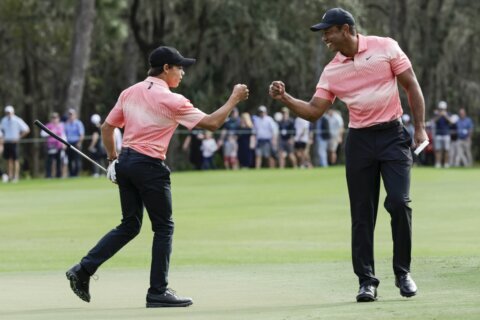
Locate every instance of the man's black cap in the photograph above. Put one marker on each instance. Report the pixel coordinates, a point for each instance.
(334, 17)
(168, 55)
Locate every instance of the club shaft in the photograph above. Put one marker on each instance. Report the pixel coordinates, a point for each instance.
(53, 135)
(87, 157)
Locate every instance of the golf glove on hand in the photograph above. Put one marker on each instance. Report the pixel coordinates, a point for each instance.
(111, 174)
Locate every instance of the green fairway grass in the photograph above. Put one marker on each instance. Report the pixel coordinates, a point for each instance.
(268, 244)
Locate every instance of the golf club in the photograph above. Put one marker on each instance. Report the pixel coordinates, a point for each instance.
(44, 128)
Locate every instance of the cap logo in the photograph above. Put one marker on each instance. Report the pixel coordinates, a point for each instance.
(324, 15)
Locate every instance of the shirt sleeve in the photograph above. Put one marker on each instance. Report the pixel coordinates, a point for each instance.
(323, 89)
(189, 116)
(115, 117)
(23, 126)
(273, 126)
(81, 128)
(398, 59)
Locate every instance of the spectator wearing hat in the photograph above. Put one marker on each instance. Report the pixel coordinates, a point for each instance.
(75, 132)
(442, 138)
(13, 129)
(96, 148)
(54, 147)
(265, 130)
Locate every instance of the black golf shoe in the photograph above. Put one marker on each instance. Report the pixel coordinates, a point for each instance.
(79, 282)
(367, 293)
(407, 286)
(167, 299)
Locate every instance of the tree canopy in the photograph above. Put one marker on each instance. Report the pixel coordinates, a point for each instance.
(251, 41)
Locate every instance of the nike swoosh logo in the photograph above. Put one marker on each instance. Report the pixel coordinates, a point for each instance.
(368, 58)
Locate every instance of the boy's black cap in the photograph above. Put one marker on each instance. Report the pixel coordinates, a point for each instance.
(168, 55)
(334, 17)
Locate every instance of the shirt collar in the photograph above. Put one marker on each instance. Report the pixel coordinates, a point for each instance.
(362, 46)
(157, 81)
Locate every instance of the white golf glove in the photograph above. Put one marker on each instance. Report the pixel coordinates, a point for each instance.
(111, 174)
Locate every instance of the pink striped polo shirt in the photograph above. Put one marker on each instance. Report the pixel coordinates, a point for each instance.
(367, 83)
(150, 113)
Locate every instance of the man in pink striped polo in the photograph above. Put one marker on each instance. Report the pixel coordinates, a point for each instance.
(149, 113)
(364, 75)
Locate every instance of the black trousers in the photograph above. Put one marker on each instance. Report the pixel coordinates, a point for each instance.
(74, 162)
(142, 181)
(54, 155)
(381, 152)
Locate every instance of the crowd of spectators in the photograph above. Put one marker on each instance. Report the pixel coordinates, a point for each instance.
(245, 141)
(451, 138)
(63, 162)
(265, 141)
(280, 140)
(60, 162)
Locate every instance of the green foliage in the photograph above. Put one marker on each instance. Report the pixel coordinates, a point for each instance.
(36, 50)
(251, 41)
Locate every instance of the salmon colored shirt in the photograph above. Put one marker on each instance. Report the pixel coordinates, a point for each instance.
(150, 113)
(367, 83)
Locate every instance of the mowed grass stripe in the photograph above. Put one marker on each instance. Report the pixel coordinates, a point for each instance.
(267, 216)
(267, 244)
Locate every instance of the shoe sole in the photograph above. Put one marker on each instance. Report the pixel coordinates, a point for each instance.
(407, 294)
(73, 281)
(365, 298)
(168, 305)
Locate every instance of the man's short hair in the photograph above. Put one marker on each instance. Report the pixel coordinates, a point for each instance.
(153, 72)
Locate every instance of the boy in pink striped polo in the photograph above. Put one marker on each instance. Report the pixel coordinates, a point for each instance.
(364, 74)
(149, 113)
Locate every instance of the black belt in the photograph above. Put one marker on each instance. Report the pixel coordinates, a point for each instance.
(383, 125)
(131, 151)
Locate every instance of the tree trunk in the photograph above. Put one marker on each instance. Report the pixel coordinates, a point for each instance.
(80, 52)
(30, 151)
(131, 66)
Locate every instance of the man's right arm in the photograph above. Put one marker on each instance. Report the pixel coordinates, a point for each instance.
(217, 118)
(310, 111)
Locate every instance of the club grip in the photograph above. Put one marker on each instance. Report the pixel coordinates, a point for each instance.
(422, 146)
(44, 128)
